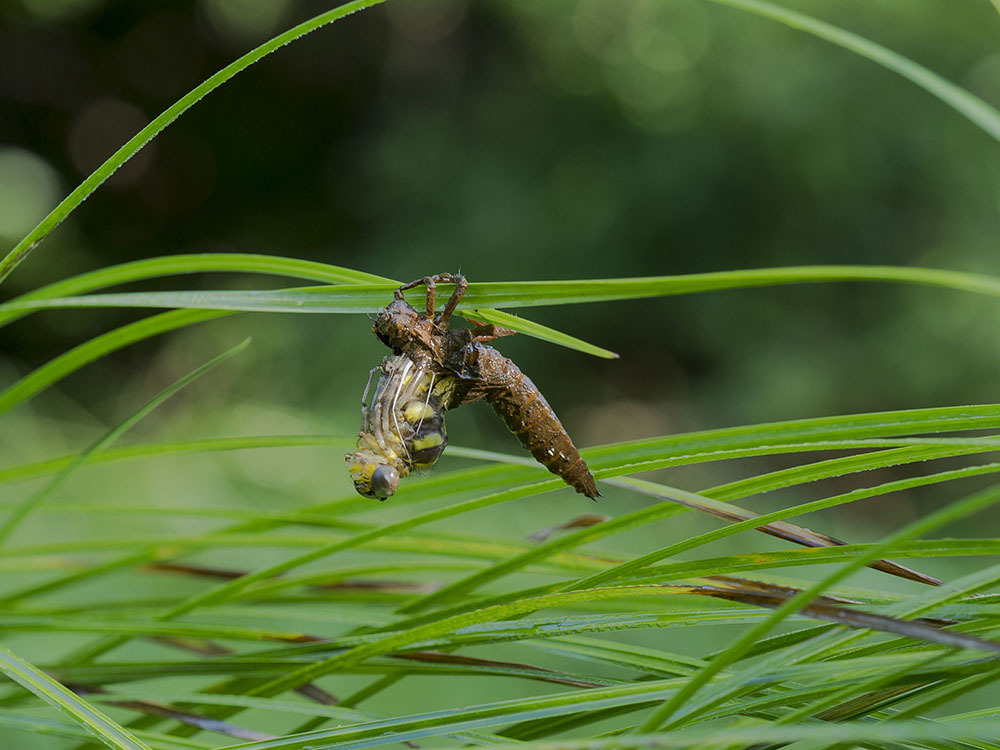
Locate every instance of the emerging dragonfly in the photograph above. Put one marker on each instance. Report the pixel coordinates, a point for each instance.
(436, 368)
(402, 425)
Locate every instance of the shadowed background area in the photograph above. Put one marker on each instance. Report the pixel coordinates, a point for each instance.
(510, 140)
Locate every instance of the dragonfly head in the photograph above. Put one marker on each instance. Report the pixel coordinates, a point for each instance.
(372, 475)
(399, 324)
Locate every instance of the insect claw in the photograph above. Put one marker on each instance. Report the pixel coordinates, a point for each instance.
(488, 332)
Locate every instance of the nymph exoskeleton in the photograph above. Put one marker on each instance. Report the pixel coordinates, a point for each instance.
(470, 371)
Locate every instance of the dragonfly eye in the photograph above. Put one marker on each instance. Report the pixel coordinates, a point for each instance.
(385, 480)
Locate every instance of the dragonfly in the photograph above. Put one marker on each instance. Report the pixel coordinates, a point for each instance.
(435, 368)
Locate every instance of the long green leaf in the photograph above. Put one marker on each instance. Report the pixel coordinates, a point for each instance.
(418, 726)
(171, 265)
(847, 732)
(37, 726)
(370, 298)
(269, 265)
(339, 712)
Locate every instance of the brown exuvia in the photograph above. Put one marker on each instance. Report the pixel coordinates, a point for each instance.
(475, 371)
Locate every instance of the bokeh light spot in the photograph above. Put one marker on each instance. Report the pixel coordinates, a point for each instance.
(103, 127)
(242, 20)
(29, 189)
(59, 10)
(668, 37)
(426, 20)
(599, 27)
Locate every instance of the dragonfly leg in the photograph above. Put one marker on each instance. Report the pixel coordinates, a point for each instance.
(431, 283)
(427, 401)
(365, 411)
(395, 410)
(460, 286)
(369, 440)
(488, 332)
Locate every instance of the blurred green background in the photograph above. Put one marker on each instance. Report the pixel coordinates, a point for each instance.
(514, 140)
(524, 140)
(510, 140)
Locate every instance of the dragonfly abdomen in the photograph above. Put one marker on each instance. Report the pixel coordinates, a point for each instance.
(424, 438)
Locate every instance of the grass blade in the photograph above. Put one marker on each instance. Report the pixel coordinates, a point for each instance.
(370, 298)
(171, 265)
(538, 331)
(55, 694)
(960, 509)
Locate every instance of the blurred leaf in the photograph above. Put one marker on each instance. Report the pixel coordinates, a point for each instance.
(20, 512)
(52, 372)
(971, 107)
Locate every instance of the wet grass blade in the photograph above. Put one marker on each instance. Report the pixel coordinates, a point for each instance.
(371, 298)
(54, 728)
(916, 732)
(782, 529)
(55, 694)
(339, 713)
(544, 333)
(166, 711)
(419, 726)
(172, 265)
